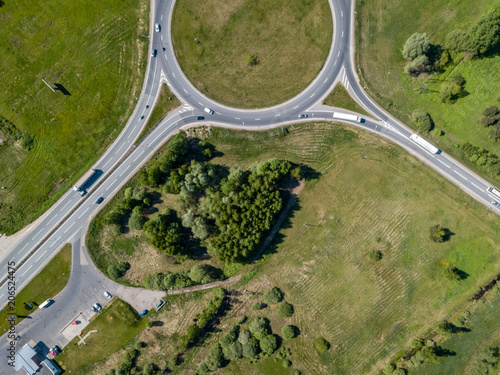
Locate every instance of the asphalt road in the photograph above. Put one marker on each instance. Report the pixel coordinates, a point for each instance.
(71, 214)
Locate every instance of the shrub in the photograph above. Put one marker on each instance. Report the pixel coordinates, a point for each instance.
(128, 192)
(399, 371)
(269, 344)
(136, 221)
(456, 40)
(233, 351)
(259, 327)
(283, 353)
(148, 369)
(273, 296)
(452, 273)
(288, 332)
(117, 270)
(201, 273)
(251, 348)
(116, 229)
(285, 310)
(252, 59)
(287, 363)
(259, 306)
(149, 324)
(416, 343)
(244, 336)
(140, 345)
(458, 79)
(375, 255)
(416, 45)
(422, 120)
(230, 337)
(215, 359)
(438, 233)
(389, 368)
(321, 344)
(147, 201)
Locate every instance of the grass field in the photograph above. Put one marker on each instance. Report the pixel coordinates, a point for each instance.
(96, 54)
(117, 324)
(382, 29)
(367, 311)
(339, 97)
(290, 39)
(48, 283)
(485, 331)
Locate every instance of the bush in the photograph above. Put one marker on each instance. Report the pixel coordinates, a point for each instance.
(288, 332)
(375, 255)
(285, 310)
(251, 348)
(399, 371)
(416, 343)
(287, 363)
(128, 192)
(437, 233)
(233, 351)
(259, 306)
(273, 296)
(452, 273)
(458, 79)
(244, 336)
(321, 344)
(416, 45)
(389, 368)
(269, 344)
(148, 369)
(422, 120)
(201, 273)
(140, 345)
(136, 221)
(149, 324)
(259, 327)
(116, 229)
(456, 40)
(117, 270)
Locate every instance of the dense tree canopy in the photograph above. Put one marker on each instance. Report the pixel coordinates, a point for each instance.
(417, 45)
(164, 232)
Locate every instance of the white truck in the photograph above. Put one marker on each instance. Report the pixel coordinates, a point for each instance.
(425, 144)
(346, 116)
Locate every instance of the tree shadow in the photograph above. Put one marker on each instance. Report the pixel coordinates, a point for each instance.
(443, 352)
(447, 234)
(62, 89)
(461, 274)
(2, 3)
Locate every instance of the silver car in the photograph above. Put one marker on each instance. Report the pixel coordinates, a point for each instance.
(157, 27)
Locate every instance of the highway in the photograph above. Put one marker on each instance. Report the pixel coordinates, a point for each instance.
(69, 217)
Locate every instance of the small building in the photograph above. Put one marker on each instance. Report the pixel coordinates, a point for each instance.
(26, 359)
(51, 366)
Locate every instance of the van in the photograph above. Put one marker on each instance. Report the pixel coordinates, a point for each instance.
(208, 110)
(45, 304)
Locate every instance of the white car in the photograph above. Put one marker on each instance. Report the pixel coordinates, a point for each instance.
(108, 295)
(209, 111)
(157, 27)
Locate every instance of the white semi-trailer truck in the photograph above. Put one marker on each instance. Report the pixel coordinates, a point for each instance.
(425, 144)
(346, 116)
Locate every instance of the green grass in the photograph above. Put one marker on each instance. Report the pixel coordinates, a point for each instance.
(47, 284)
(117, 324)
(97, 54)
(165, 103)
(485, 331)
(382, 29)
(339, 97)
(368, 311)
(291, 41)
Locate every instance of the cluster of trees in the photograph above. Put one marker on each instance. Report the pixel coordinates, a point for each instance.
(481, 157)
(198, 274)
(452, 89)
(491, 120)
(165, 232)
(488, 361)
(117, 270)
(128, 364)
(237, 211)
(136, 201)
(11, 131)
(201, 321)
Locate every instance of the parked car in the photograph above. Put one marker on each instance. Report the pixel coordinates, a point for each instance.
(97, 307)
(144, 312)
(157, 27)
(55, 351)
(108, 295)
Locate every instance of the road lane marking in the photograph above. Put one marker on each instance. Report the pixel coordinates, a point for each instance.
(161, 18)
(341, 14)
(312, 95)
(24, 247)
(335, 63)
(338, 54)
(70, 226)
(443, 163)
(161, 37)
(40, 257)
(88, 208)
(279, 114)
(465, 178)
(128, 166)
(480, 188)
(26, 270)
(237, 118)
(2, 295)
(326, 80)
(185, 90)
(106, 163)
(173, 74)
(257, 119)
(342, 34)
(65, 206)
(58, 238)
(138, 156)
(296, 107)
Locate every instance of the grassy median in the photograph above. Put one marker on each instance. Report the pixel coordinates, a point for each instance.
(251, 53)
(48, 283)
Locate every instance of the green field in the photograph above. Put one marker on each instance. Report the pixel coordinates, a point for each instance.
(117, 324)
(382, 29)
(47, 284)
(97, 55)
(368, 311)
(339, 97)
(291, 41)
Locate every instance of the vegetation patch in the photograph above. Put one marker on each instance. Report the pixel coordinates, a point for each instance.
(251, 53)
(94, 58)
(340, 98)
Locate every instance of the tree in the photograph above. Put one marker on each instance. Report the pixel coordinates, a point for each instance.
(259, 306)
(389, 368)
(429, 353)
(141, 194)
(452, 273)
(244, 336)
(416, 343)
(269, 344)
(215, 359)
(449, 92)
(399, 371)
(485, 34)
(458, 79)
(287, 363)
(117, 270)
(422, 120)
(164, 232)
(116, 229)
(375, 255)
(230, 337)
(273, 296)
(491, 115)
(201, 273)
(251, 348)
(285, 310)
(233, 351)
(128, 192)
(416, 45)
(136, 221)
(438, 233)
(321, 344)
(259, 327)
(456, 40)
(148, 369)
(288, 332)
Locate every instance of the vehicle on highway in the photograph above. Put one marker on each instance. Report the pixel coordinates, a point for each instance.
(142, 117)
(97, 307)
(108, 295)
(157, 27)
(46, 304)
(96, 173)
(99, 200)
(144, 313)
(496, 204)
(494, 192)
(347, 116)
(200, 118)
(153, 53)
(425, 144)
(304, 115)
(208, 110)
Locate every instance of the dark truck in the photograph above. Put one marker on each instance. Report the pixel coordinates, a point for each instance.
(82, 189)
